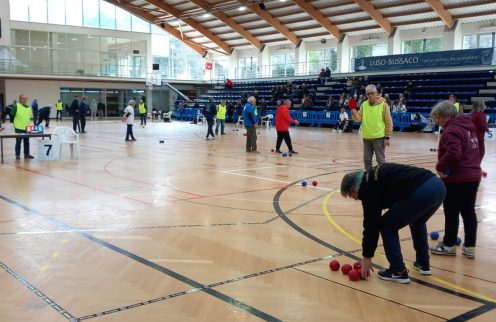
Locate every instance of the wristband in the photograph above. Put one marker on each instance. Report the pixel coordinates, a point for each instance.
(387, 137)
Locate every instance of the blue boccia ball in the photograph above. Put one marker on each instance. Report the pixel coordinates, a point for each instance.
(458, 241)
(434, 235)
(284, 154)
(304, 183)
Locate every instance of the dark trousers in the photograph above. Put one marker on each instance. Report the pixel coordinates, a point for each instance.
(413, 211)
(143, 118)
(82, 119)
(283, 135)
(76, 126)
(129, 132)
(251, 139)
(18, 144)
(210, 123)
(35, 117)
(460, 199)
(47, 120)
(59, 114)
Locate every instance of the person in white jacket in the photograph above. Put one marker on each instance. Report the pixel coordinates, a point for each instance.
(128, 117)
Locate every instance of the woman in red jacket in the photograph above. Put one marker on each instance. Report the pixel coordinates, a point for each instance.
(458, 166)
(283, 120)
(479, 118)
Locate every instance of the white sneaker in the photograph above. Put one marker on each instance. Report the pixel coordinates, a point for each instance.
(340, 131)
(442, 249)
(469, 252)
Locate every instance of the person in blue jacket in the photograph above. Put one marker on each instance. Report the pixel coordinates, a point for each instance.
(250, 121)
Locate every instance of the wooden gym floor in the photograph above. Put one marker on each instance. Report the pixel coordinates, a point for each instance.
(195, 230)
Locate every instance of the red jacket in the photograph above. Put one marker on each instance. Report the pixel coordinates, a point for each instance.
(458, 154)
(283, 119)
(479, 119)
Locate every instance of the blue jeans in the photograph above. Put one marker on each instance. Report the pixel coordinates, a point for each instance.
(222, 124)
(414, 211)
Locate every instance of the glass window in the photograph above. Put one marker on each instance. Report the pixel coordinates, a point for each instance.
(139, 25)
(74, 41)
(56, 12)
(19, 10)
(160, 45)
(37, 11)
(91, 13)
(282, 64)
(39, 39)
(486, 41)
(91, 43)
(433, 44)
(58, 40)
(74, 13)
(422, 45)
(123, 19)
(39, 60)
(91, 63)
(469, 41)
(21, 57)
(107, 15)
(20, 37)
(318, 59)
(360, 51)
(107, 44)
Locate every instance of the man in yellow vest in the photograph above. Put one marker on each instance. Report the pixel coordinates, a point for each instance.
(221, 117)
(21, 114)
(458, 106)
(142, 110)
(59, 106)
(377, 126)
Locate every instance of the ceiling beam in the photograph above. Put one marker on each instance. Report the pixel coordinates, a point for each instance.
(441, 11)
(165, 27)
(193, 23)
(375, 14)
(230, 22)
(319, 17)
(271, 20)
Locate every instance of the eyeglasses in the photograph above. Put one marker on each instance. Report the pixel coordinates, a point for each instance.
(371, 93)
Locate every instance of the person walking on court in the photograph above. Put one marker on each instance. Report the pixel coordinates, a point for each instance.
(479, 119)
(21, 115)
(458, 166)
(93, 109)
(250, 121)
(221, 117)
(44, 114)
(35, 109)
(60, 107)
(128, 117)
(84, 109)
(411, 195)
(76, 126)
(209, 113)
(283, 120)
(377, 126)
(142, 110)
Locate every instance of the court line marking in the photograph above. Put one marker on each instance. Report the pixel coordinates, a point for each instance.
(437, 279)
(221, 296)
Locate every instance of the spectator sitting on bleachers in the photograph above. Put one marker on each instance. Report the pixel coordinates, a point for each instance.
(295, 95)
(228, 85)
(304, 89)
(328, 73)
(331, 104)
(388, 100)
(352, 102)
(263, 108)
(401, 104)
(342, 121)
(342, 100)
(321, 78)
(361, 98)
(307, 102)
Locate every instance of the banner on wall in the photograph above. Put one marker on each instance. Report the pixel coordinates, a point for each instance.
(450, 58)
(208, 66)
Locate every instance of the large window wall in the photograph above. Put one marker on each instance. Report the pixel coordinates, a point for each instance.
(283, 64)
(318, 59)
(422, 45)
(361, 51)
(81, 13)
(486, 40)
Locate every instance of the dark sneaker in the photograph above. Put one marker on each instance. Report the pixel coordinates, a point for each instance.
(277, 151)
(424, 270)
(28, 156)
(127, 140)
(18, 157)
(255, 151)
(293, 152)
(133, 139)
(399, 277)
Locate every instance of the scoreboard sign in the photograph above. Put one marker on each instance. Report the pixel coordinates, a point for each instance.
(34, 129)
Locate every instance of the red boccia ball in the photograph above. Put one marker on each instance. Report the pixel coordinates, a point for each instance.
(314, 183)
(357, 265)
(354, 275)
(346, 268)
(334, 265)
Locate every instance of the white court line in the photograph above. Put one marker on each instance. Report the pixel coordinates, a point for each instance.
(280, 166)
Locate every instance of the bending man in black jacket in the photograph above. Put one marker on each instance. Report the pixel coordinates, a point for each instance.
(411, 195)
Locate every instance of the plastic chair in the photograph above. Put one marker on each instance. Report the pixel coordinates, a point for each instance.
(267, 120)
(240, 122)
(67, 135)
(168, 116)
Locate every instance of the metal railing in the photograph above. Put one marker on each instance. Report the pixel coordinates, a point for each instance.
(286, 70)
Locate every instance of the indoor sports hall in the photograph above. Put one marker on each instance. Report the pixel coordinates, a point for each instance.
(172, 226)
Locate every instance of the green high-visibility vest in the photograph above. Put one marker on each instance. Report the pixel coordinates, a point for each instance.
(22, 117)
(142, 108)
(373, 126)
(221, 112)
(59, 106)
(457, 106)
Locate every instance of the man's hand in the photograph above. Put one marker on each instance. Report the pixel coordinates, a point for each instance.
(366, 267)
(386, 142)
(254, 126)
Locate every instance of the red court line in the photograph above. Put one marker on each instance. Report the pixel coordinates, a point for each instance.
(82, 185)
(231, 193)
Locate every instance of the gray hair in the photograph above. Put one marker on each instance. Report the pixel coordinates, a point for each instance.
(251, 99)
(287, 101)
(444, 109)
(371, 87)
(348, 183)
(478, 106)
(132, 102)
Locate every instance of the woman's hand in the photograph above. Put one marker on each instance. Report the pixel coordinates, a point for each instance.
(366, 267)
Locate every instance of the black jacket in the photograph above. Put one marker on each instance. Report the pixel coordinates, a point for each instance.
(381, 187)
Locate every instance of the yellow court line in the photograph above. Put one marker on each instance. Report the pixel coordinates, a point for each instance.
(359, 242)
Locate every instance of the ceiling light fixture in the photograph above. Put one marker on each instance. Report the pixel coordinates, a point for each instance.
(242, 8)
(206, 15)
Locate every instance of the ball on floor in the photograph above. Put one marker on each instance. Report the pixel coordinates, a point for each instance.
(304, 183)
(314, 183)
(434, 235)
(334, 265)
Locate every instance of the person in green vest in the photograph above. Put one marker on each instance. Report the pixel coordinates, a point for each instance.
(59, 106)
(458, 106)
(142, 109)
(21, 114)
(377, 126)
(221, 117)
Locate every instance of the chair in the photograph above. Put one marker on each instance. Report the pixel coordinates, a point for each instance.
(199, 117)
(240, 122)
(67, 135)
(168, 116)
(267, 120)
